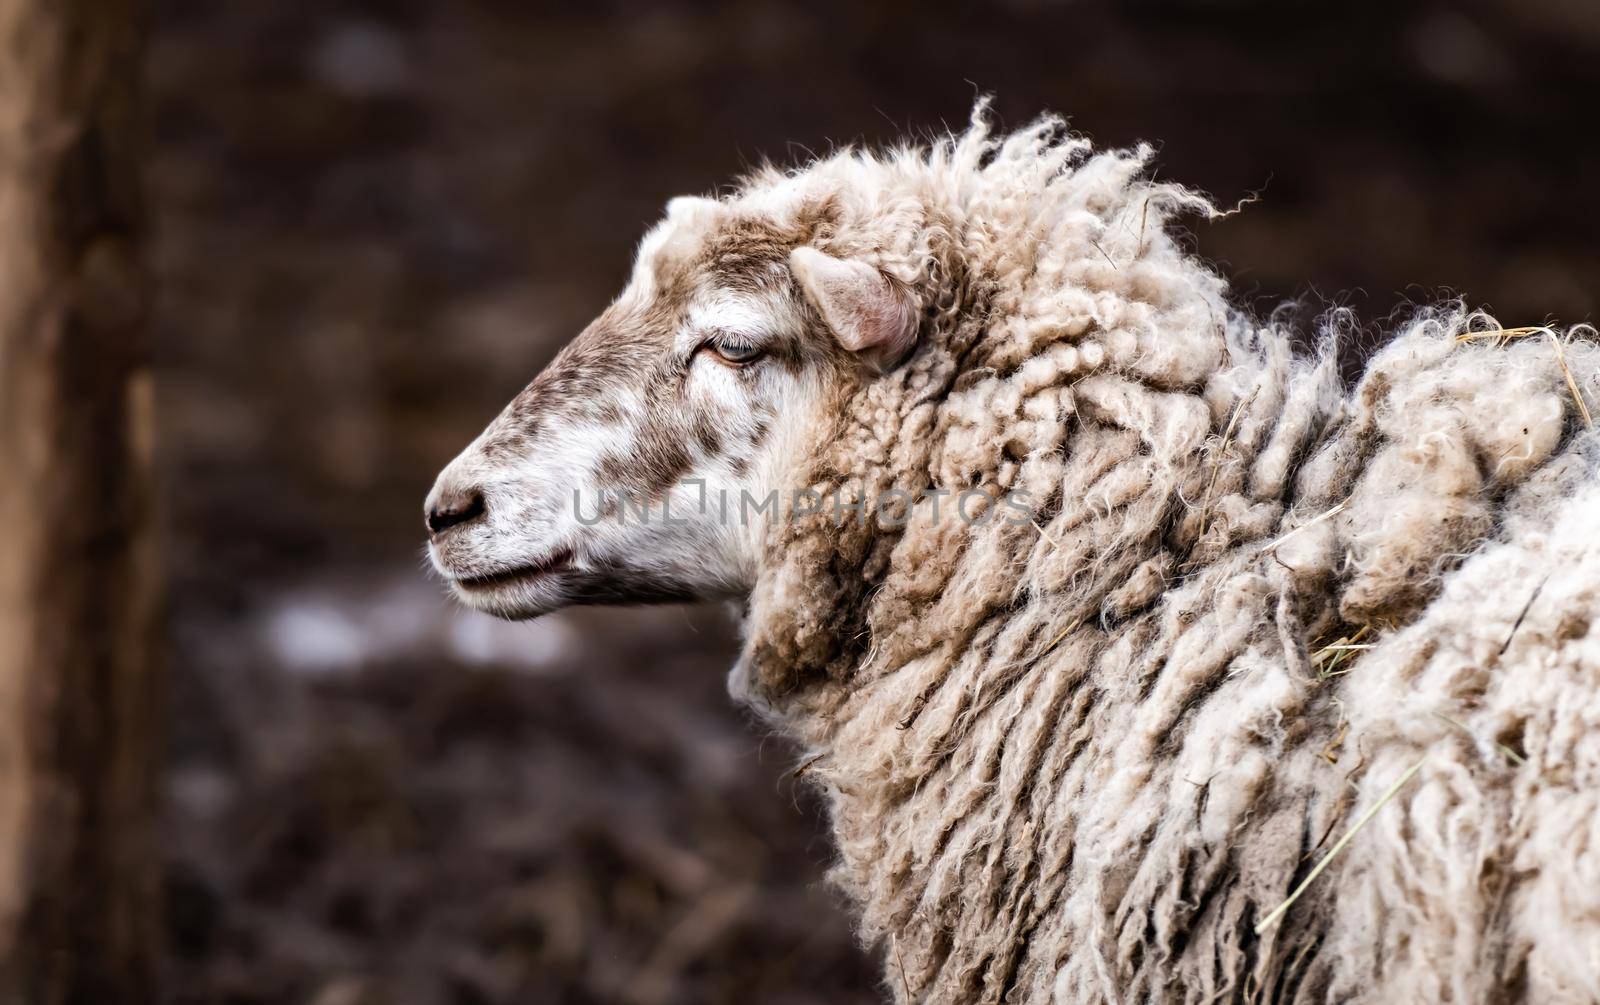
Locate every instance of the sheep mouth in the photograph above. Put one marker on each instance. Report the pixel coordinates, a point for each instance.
(557, 561)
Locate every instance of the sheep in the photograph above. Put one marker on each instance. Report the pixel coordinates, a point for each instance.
(1229, 682)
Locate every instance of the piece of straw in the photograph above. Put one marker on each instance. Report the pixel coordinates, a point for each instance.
(1327, 754)
(1102, 251)
(1048, 539)
(1309, 523)
(904, 983)
(1523, 615)
(1330, 656)
(1510, 754)
(1316, 870)
(1053, 642)
(1507, 334)
(1502, 334)
(1572, 385)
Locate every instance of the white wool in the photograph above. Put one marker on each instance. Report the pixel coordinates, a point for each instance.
(1081, 758)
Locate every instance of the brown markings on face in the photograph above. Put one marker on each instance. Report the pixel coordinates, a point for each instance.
(582, 381)
(751, 254)
(633, 346)
(742, 459)
(660, 455)
(707, 436)
(742, 253)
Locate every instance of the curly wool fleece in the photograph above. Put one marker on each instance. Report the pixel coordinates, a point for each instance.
(1082, 759)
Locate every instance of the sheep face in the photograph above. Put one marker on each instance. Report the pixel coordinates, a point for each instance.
(648, 461)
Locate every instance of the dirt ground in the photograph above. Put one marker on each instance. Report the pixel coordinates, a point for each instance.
(376, 220)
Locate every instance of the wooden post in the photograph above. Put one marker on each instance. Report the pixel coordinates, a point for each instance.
(80, 692)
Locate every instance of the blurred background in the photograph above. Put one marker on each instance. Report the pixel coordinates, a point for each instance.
(373, 221)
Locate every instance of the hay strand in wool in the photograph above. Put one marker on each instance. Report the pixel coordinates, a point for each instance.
(1349, 835)
(1511, 755)
(1504, 335)
(1335, 511)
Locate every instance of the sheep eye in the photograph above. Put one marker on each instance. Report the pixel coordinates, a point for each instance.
(736, 353)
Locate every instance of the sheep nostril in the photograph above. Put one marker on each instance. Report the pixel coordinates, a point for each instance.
(455, 509)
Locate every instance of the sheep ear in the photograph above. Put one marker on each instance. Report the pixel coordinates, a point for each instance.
(868, 315)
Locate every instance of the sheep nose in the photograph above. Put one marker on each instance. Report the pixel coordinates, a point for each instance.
(453, 508)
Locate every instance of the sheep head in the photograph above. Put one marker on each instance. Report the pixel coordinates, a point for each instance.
(649, 460)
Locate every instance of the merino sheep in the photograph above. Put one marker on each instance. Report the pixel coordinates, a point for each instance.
(1211, 624)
